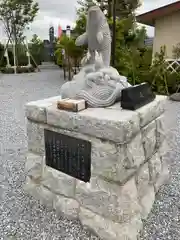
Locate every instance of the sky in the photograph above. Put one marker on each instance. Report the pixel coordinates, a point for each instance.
(63, 12)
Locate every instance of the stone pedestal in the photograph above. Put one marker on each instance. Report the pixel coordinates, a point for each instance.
(127, 165)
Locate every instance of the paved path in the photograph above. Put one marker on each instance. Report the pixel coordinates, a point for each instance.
(22, 217)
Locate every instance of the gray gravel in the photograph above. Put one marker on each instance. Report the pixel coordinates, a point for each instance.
(22, 217)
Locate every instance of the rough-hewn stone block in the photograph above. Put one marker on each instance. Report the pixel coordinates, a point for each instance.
(164, 149)
(151, 111)
(35, 133)
(108, 124)
(135, 153)
(163, 178)
(109, 200)
(36, 110)
(155, 167)
(61, 204)
(149, 139)
(145, 189)
(112, 161)
(110, 230)
(108, 160)
(66, 206)
(34, 166)
(161, 131)
(44, 195)
(58, 182)
(159, 173)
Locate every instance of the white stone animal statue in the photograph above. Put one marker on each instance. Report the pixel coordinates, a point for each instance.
(97, 36)
(97, 83)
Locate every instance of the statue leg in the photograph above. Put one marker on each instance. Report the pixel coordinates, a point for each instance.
(92, 57)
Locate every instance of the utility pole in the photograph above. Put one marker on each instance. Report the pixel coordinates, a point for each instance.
(114, 34)
(14, 42)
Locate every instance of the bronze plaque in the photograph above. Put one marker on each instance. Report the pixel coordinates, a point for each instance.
(69, 155)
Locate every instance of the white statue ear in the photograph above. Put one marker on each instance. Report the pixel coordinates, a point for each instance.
(99, 37)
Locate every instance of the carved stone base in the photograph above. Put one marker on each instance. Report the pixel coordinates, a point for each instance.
(127, 165)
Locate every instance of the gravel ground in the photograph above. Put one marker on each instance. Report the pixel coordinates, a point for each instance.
(22, 217)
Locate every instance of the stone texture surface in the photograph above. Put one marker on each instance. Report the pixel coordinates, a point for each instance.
(151, 111)
(109, 200)
(35, 134)
(149, 139)
(108, 229)
(135, 152)
(61, 204)
(124, 165)
(109, 160)
(34, 166)
(159, 171)
(104, 157)
(36, 110)
(124, 178)
(108, 124)
(35, 189)
(58, 182)
(66, 206)
(163, 178)
(161, 131)
(145, 189)
(155, 168)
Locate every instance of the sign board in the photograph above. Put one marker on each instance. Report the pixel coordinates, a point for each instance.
(69, 155)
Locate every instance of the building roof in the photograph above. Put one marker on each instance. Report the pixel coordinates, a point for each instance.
(149, 18)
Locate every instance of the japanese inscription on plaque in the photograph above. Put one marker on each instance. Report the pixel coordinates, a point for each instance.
(69, 155)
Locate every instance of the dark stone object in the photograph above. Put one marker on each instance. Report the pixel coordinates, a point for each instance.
(69, 155)
(136, 96)
(175, 97)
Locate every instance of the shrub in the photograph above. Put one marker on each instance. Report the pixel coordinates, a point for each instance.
(19, 70)
(7, 70)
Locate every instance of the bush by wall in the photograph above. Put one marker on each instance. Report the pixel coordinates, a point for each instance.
(10, 70)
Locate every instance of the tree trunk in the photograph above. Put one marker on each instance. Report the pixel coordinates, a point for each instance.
(109, 8)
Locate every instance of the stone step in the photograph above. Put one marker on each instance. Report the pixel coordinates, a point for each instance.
(48, 65)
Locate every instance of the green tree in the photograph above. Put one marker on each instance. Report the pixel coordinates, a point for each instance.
(71, 50)
(16, 15)
(80, 26)
(124, 8)
(71, 59)
(36, 48)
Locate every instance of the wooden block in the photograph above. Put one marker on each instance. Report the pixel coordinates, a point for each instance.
(71, 104)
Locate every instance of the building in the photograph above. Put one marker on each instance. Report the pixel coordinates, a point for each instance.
(166, 21)
(149, 41)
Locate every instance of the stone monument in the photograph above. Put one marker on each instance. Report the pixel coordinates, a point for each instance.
(103, 165)
(97, 83)
(111, 187)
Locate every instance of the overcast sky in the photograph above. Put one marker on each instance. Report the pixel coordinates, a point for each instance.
(63, 12)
